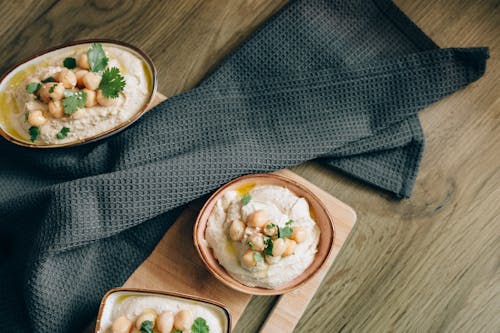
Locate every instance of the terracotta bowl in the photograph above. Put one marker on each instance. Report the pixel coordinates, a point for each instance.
(5, 80)
(115, 296)
(321, 217)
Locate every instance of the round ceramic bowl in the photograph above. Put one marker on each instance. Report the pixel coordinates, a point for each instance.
(113, 302)
(16, 74)
(319, 212)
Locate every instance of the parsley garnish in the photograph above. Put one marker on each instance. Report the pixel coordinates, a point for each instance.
(33, 87)
(34, 132)
(69, 63)
(73, 101)
(112, 82)
(49, 79)
(63, 133)
(51, 89)
(245, 199)
(285, 232)
(257, 257)
(289, 223)
(270, 225)
(250, 244)
(97, 58)
(147, 326)
(177, 331)
(200, 326)
(269, 247)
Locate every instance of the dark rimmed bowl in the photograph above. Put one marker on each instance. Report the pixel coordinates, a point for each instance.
(39, 56)
(321, 216)
(115, 293)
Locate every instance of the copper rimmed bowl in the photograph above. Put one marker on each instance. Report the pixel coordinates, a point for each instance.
(321, 216)
(114, 297)
(6, 82)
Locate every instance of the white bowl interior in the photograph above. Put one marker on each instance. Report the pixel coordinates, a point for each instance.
(115, 299)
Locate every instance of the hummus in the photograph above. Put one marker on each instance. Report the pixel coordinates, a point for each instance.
(87, 121)
(131, 310)
(267, 218)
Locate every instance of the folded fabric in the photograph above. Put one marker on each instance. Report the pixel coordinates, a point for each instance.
(75, 222)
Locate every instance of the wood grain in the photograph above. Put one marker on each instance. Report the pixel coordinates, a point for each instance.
(428, 264)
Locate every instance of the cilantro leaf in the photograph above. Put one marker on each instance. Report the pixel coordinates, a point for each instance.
(257, 257)
(269, 247)
(97, 58)
(246, 199)
(73, 101)
(200, 326)
(34, 132)
(250, 245)
(63, 133)
(33, 87)
(289, 223)
(177, 331)
(285, 232)
(51, 89)
(112, 82)
(69, 63)
(147, 326)
(49, 79)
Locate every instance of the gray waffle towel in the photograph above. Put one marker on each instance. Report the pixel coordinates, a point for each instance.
(340, 81)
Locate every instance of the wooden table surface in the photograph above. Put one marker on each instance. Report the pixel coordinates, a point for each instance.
(427, 264)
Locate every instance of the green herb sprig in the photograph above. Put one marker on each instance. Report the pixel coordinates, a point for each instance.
(200, 326)
(33, 87)
(97, 58)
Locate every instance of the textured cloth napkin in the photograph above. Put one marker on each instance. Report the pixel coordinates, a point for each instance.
(340, 81)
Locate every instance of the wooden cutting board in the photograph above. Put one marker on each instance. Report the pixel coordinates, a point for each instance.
(174, 265)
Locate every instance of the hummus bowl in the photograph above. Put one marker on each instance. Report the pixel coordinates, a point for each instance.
(75, 93)
(125, 310)
(264, 234)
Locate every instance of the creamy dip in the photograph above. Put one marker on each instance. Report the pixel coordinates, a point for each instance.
(133, 305)
(282, 209)
(87, 121)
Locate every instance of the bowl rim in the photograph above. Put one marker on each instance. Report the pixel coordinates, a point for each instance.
(109, 132)
(205, 251)
(163, 293)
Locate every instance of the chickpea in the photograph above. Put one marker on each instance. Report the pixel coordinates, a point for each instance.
(104, 101)
(299, 234)
(279, 246)
(237, 230)
(83, 61)
(91, 81)
(67, 78)
(121, 325)
(56, 109)
(257, 241)
(248, 260)
(257, 219)
(36, 118)
(79, 74)
(148, 314)
(272, 260)
(290, 247)
(165, 322)
(91, 98)
(270, 229)
(183, 320)
(51, 90)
